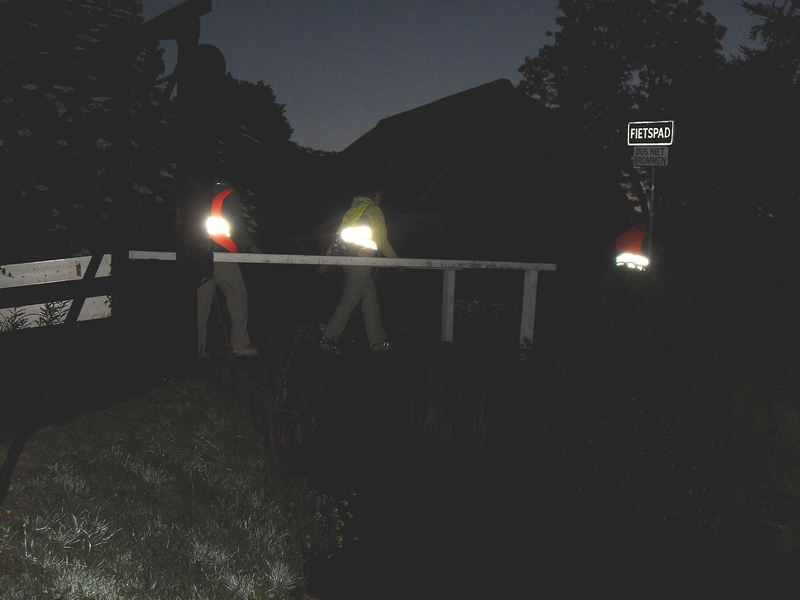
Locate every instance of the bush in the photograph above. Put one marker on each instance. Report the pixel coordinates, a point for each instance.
(761, 452)
(669, 397)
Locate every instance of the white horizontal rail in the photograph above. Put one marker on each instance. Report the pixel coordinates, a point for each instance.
(305, 259)
(51, 271)
(448, 268)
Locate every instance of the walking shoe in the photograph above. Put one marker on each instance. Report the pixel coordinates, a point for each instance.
(245, 351)
(328, 346)
(382, 347)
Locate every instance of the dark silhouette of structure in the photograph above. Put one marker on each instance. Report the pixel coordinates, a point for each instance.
(487, 174)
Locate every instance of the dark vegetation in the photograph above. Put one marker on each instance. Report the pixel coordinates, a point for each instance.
(670, 393)
(632, 397)
(673, 398)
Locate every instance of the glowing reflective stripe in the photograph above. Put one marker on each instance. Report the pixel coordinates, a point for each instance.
(218, 228)
(637, 259)
(633, 261)
(360, 235)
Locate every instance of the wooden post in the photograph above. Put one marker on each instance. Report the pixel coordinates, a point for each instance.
(122, 199)
(200, 72)
(448, 303)
(52, 363)
(201, 75)
(530, 287)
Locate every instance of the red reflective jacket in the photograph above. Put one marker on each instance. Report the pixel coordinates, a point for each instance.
(216, 211)
(631, 241)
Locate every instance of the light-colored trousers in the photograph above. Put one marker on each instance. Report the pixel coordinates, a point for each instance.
(228, 276)
(358, 287)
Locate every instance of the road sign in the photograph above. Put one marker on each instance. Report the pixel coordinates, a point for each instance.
(651, 133)
(650, 156)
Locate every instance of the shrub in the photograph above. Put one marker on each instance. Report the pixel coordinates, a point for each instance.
(762, 454)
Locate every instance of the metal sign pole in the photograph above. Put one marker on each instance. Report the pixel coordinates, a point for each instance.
(652, 213)
(651, 141)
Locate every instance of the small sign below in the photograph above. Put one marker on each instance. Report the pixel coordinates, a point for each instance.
(651, 133)
(650, 156)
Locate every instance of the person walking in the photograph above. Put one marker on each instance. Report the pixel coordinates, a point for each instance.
(362, 233)
(228, 232)
(629, 246)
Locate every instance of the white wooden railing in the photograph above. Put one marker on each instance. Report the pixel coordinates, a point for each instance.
(448, 268)
(97, 307)
(54, 310)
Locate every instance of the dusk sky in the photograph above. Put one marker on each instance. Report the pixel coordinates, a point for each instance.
(339, 67)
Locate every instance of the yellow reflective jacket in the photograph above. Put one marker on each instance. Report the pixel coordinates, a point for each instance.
(361, 208)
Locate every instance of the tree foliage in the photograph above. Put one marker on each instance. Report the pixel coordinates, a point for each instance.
(57, 123)
(779, 30)
(610, 58)
(739, 131)
(254, 132)
(615, 62)
(56, 106)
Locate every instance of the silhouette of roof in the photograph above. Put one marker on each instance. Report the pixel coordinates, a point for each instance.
(497, 104)
(488, 159)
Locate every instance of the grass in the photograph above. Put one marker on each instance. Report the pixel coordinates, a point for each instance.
(166, 496)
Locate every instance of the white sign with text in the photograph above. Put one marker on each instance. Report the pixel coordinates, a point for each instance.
(650, 156)
(651, 133)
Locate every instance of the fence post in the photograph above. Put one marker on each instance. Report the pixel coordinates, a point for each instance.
(448, 303)
(530, 286)
(34, 406)
(202, 72)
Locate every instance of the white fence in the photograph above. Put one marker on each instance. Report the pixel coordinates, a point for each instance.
(448, 268)
(54, 310)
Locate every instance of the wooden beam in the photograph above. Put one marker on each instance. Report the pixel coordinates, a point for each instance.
(448, 303)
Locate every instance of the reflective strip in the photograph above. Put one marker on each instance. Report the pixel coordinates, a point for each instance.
(632, 261)
(636, 259)
(360, 235)
(218, 226)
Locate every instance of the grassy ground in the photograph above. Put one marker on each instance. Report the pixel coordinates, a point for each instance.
(165, 496)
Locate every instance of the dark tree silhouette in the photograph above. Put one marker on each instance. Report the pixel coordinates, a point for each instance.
(780, 33)
(55, 120)
(254, 134)
(615, 62)
(56, 124)
(730, 177)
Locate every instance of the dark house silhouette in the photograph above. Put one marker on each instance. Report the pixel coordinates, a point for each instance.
(489, 174)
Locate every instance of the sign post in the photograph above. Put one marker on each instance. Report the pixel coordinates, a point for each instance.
(650, 156)
(651, 141)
